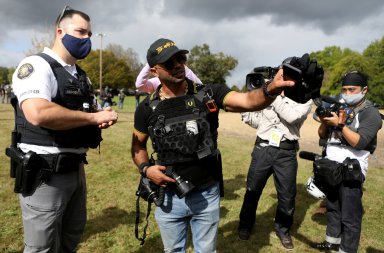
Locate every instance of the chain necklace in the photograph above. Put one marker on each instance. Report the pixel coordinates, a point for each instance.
(163, 96)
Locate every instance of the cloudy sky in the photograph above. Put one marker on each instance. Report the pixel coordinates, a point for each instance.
(256, 32)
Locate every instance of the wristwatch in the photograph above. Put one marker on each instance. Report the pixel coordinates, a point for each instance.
(340, 127)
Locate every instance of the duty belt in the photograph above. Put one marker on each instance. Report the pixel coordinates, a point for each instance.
(61, 163)
(287, 144)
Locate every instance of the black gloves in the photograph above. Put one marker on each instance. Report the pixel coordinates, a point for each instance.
(311, 81)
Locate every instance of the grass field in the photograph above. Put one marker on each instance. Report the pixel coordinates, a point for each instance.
(112, 182)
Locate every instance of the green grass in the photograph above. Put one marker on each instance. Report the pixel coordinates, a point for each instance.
(112, 182)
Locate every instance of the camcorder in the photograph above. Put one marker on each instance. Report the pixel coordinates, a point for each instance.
(305, 72)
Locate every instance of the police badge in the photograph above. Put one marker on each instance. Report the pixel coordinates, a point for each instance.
(25, 71)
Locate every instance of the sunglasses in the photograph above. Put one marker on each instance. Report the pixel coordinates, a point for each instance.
(170, 64)
(63, 13)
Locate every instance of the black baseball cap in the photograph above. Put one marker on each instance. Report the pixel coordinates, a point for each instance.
(355, 78)
(162, 50)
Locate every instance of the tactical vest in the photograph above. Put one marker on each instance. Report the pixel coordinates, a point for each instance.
(72, 93)
(184, 128)
(371, 147)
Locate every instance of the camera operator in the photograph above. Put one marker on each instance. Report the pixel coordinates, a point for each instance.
(278, 131)
(181, 118)
(350, 145)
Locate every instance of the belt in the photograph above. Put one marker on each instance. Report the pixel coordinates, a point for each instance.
(61, 163)
(287, 144)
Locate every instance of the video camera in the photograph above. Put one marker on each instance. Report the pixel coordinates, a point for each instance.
(330, 104)
(305, 72)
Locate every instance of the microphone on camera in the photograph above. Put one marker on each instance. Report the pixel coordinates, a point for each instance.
(309, 155)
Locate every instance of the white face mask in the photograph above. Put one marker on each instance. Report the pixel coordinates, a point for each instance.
(353, 99)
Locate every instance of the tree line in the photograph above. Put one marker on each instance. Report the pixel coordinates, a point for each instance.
(121, 66)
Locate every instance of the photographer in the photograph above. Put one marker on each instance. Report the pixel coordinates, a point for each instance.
(181, 118)
(278, 131)
(349, 144)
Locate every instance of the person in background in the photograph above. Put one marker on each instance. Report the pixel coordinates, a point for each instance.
(57, 122)
(350, 139)
(275, 153)
(120, 102)
(147, 84)
(2, 94)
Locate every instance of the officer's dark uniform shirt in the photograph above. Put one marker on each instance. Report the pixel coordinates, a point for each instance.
(199, 172)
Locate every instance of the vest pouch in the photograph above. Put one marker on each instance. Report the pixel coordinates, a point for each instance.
(327, 172)
(92, 136)
(182, 139)
(86, 136)
(352, 171)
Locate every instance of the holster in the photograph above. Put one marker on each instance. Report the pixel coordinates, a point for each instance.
(24, 168)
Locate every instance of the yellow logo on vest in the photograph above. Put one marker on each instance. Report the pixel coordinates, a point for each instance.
(190, 103)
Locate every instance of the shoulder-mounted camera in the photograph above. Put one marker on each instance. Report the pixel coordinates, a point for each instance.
(305, 72)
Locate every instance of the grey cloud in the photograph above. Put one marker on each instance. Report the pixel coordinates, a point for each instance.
(329, 15)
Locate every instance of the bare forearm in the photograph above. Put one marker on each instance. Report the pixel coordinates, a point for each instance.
(43, 113)
(322, 130)
(139, 148)
(245, 102)
(350, 136)
(257, 99)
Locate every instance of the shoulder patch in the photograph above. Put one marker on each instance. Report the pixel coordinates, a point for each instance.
(25, 71)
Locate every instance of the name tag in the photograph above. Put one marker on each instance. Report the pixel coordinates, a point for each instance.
(73, 91)
(275, 137)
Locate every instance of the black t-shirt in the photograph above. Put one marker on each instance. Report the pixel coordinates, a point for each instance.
(199, 172)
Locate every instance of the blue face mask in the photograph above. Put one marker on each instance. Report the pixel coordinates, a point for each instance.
(353, 99)
(78, 48)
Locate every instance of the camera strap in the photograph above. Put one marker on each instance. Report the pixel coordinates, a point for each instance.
(142, 239)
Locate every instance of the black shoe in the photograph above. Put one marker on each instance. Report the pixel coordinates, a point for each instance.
(326, 246)
(244, 233)
(286, 241)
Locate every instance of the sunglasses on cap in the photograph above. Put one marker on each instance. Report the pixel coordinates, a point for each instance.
(63, 13)
(170, 64)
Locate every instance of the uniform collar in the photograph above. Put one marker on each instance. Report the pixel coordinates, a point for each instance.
(70, 68)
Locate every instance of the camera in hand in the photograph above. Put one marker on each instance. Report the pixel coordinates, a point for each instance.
(305, 72)
(182, 187)
(150, 192)
(153, 193)
(330, 105)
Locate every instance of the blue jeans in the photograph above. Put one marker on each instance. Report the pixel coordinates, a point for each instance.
(201, 209)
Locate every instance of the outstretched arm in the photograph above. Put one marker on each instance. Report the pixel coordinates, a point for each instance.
(256, 99)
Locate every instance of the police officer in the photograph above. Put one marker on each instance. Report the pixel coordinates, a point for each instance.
(350, 141)
(57, 121)
(181, 118)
